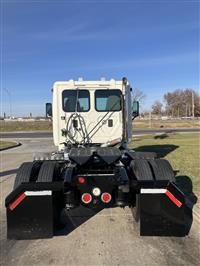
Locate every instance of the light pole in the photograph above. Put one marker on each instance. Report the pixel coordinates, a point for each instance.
(10, 102)
(193, 104)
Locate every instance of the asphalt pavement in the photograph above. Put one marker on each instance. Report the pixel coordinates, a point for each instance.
(110, 237)
(48, 134)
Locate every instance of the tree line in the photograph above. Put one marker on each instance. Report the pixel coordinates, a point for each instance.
(179, 103)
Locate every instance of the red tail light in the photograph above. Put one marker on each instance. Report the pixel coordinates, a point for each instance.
(106, 197)
(86, 198)
(81, 180)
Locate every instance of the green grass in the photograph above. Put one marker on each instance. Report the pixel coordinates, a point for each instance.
(182, 150)
(11, 126)
(6, 144)
(139, 123)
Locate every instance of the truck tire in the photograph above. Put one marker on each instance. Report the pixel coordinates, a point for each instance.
(141, 170)
(48, 172)
(136, 210)
(27, 172)
(162, 170)
(142, 155)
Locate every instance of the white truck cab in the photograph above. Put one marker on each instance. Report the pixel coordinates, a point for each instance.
(91, 112)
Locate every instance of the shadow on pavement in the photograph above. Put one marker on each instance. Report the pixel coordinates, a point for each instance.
(74, 218)
(8, 172)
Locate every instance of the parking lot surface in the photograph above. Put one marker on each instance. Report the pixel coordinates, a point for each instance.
(110, 237)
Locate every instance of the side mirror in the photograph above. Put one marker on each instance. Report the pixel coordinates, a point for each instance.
(135, 109)
(48, 110)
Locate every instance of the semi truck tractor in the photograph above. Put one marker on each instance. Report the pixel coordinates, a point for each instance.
(93, 167)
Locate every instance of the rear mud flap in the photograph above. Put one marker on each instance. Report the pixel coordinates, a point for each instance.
(164, 212)
(30, 212)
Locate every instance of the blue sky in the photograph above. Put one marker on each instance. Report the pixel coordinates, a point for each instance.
(153, 43)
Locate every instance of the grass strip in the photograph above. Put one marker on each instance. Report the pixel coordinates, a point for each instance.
(6, 144)
(182, 150)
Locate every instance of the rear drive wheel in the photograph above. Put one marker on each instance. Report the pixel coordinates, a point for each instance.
(27, 172)
(49, 172)
(136, 210)
(141, 170)
(162, 170)
(142, 155)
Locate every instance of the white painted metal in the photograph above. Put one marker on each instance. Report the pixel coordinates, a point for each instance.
(92, 117)
(38, 193)
(153, 190)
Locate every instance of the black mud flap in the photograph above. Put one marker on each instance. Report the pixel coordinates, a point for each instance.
(164, 212)
(30, 213)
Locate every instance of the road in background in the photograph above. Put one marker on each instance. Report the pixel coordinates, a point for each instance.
(111, 237)
(135, 132)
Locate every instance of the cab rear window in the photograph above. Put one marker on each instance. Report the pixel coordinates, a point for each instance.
(76, 100)
(108, 100)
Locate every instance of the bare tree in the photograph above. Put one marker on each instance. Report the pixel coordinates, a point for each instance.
(157, 108)
(182, 103)
(138, 95)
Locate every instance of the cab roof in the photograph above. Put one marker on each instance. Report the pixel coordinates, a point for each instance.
(90, 83)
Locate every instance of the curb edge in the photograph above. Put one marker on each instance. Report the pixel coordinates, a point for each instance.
(11, 147)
